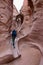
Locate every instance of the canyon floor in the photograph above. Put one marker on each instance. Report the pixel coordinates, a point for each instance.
(24, 59)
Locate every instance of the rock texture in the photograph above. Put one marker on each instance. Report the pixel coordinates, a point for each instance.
(5, 24)
(33, 22)
(36, 26)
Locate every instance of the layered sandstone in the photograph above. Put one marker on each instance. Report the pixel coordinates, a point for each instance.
(37, 19)
(5, 24)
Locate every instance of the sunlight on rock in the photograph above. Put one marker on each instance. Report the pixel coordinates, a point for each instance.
(18, 4)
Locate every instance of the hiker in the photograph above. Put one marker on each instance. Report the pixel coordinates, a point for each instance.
(30, 30)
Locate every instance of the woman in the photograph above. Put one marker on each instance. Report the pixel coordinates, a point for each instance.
(26, 33)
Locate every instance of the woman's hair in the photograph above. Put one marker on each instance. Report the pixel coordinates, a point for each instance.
(21, 16)
(31, 5)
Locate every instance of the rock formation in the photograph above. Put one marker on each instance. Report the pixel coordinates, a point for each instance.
(36, 26)
(30, 31)
(5, 24)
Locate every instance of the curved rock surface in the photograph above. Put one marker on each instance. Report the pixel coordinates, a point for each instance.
(24, 48)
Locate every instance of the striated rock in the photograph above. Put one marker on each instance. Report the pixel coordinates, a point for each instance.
(6, 54)
(6, 59)
(36, 34)
(33, 24)
(30, 31)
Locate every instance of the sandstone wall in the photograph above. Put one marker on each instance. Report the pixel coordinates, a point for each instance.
(37, 21)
